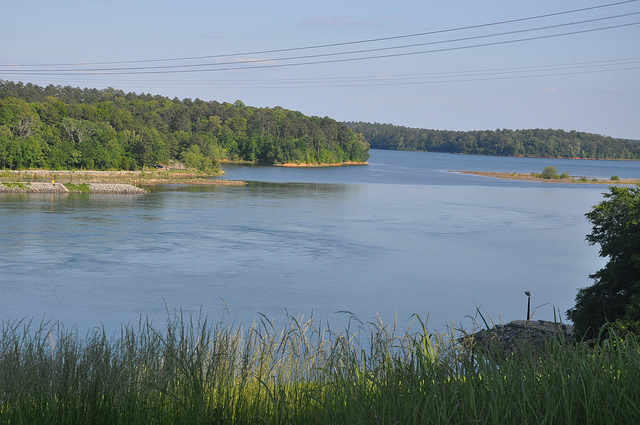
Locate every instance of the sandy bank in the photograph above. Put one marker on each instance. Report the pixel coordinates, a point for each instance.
(529, 177)
(310, 165)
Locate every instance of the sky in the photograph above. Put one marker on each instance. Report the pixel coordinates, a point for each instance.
(438, 64)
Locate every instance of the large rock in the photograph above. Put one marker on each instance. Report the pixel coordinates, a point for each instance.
(519, 334)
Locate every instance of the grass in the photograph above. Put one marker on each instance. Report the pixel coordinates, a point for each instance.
(192, 371)
(78, 187)
(19, 185)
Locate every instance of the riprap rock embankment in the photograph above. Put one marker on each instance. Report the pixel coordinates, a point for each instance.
(39, 187)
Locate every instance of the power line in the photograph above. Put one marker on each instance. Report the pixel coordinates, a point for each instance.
(172, 70)
(347, 43)
(31, 3)
(575, 68)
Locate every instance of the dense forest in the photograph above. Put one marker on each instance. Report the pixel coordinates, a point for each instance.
(537, 142)
(72, 128)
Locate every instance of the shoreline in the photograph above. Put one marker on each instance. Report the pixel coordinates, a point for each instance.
(295, 164)
(54, 181)
(529, 177)
(62, 188)
(132, 177)
(321, 165)
(513, 156)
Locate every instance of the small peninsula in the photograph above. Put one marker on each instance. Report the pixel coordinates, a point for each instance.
(538, 178)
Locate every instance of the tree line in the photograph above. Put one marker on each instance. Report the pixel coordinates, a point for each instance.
(74, 128)
(545, 143)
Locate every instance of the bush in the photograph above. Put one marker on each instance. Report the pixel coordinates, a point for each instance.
(549, 172)
(616, 178)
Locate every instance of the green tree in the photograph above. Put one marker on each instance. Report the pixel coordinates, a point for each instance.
(70, 127)
(5, 139)
(149, 147)
(194, 158)
(19, 116)
(615, 296)
(549, 172)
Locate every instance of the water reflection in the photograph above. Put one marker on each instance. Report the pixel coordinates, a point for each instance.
(435, 249)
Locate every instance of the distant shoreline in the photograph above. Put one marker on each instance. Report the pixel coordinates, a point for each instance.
(311, 165)
(529, 177)
(295, 164)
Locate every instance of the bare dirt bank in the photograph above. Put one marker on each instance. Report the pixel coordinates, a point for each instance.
(309, 165)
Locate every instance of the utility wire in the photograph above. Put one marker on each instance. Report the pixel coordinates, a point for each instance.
(378, 49)
(164, 70)
(347, 43)
(577, 68)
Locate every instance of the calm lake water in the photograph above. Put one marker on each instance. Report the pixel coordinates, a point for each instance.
(398, 237)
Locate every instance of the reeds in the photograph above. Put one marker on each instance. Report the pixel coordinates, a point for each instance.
(191, 371)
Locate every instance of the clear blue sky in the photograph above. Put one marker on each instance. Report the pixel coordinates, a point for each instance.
(442, 64)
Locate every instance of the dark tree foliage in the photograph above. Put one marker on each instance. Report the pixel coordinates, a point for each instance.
(615, 296)
(69, 127)
(536, 142)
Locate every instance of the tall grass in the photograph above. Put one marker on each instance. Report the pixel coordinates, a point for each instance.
(192, 371)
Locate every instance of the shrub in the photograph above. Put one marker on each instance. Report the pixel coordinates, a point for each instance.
(549, 172)
(79, 187)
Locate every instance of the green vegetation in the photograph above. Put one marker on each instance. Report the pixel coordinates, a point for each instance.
(58, 128)
(195, 372)
(535, 142)
(19, 185)
(549, 173)
(615, 296)
(615, 178)
(79, 187)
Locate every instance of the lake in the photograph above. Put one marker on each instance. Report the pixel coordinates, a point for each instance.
(398, 237)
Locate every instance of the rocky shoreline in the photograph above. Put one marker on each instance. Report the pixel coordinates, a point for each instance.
(39, 187)
(12, 179)
(518, 334)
